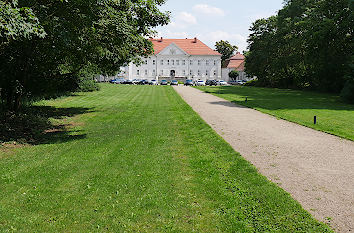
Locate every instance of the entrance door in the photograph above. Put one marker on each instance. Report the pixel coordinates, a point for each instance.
(173, 74)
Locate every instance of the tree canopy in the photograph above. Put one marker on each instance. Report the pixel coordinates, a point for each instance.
(47, 44)
(308, 44)
(226, 49)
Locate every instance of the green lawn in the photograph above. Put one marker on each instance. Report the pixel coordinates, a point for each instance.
(138, 159)
(333, 116)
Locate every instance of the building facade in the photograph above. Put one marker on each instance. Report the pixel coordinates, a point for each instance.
(236, 62)
(178, 59)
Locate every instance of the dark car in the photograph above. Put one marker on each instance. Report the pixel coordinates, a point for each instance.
(211, 82)
(127, 82)
(143, 82)
(163, 82)
(189, 82)
(174, 82)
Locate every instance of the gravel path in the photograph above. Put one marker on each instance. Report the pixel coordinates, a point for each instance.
(316, 168)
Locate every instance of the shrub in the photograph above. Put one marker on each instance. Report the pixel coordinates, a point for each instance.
(88, 84)
(251, 83)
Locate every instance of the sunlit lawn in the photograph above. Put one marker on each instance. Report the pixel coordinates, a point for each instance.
(333, 116)
(138, 159)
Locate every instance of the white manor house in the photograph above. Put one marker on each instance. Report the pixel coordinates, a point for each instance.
(178, 59)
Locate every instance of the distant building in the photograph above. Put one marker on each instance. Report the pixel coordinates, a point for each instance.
(236, 62)
(178, 59)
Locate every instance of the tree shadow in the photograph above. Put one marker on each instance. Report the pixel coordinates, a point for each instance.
(277, 99)
(33, 126)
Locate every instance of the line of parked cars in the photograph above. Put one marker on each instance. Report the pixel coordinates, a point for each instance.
(209, 82)
(143, 82)
(188, 82)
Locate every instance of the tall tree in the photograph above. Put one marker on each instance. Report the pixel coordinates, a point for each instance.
(79, 34)
(226, 49)
(308, 44)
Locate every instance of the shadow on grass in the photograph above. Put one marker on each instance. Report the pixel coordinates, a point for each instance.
(32, 125)
(276, 99)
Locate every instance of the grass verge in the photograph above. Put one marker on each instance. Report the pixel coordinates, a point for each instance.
(146, 163)
(333, 116)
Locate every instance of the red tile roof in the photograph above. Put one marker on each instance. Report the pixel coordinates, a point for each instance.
(190, 46)
(237, 62)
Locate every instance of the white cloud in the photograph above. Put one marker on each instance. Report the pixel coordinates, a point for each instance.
(186, 17)
(235, 39)
(173, 34)
(209, 10)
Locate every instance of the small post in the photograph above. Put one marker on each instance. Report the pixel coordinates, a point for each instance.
(315, 120)
(246, 100)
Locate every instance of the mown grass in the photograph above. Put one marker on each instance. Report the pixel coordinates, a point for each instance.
(144, 162)
(333, 116)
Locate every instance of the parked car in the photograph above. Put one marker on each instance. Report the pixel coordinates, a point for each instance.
(136, 81)
(163, 82)
(117, 80)
(200, 83)
(127, 81)
(233, 82)
(221, 83)
(189, 82)
(174, 82)
(211, 82)
(241, 82)
(153, 82)
(143, 82)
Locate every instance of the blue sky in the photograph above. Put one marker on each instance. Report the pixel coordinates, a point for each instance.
(214, 20)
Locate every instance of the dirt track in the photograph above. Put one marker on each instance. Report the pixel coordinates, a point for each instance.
(316, 168)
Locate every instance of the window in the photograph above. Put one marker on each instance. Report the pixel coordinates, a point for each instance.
(168, 62)
(214, 62)
(173, 62)
(177, 62)
(190, 62)
(146, 62)
(198, 62)
(183, 62)
(153, 72)
(190, 72)
(214, 72)
(153, 62)
(137, 72)
(184, 72)
(207, 62)
(198, 72)
(146, 72)
(206, 73)
(161, 62)
(161, 72)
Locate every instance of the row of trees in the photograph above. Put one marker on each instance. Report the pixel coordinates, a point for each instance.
(308, 44)
(47, 45)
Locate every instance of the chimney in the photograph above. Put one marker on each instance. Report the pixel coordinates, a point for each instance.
(195, 40)
(161, 39)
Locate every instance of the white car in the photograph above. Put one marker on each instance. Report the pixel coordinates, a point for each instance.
(153, 82)
(221, 83)
(200, 83)
(240, 82)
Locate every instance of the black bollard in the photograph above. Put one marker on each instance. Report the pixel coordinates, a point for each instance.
(315, 120)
